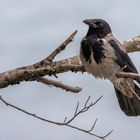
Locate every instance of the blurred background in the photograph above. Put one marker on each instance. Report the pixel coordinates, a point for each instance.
(29, 31)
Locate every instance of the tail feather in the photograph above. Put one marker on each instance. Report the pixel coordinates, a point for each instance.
(130, 106)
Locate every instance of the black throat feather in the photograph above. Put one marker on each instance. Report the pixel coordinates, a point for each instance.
(91, 44)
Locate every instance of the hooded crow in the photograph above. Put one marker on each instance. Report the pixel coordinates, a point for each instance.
(103, 56)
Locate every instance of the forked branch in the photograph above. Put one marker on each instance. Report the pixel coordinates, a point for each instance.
(66, 122)
(49, 67)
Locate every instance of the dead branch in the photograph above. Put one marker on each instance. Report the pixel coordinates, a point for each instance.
(58, 84)
(132, 45)
(66, 122)
(42, 68)
(134, 76)
(62, 46)
(49, 67)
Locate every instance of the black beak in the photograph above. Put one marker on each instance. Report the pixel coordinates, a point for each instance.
(90, 22)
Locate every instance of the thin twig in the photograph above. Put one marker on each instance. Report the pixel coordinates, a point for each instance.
(90, 133)
(76, 110)
(93, 125)
(92, 104)
(87, 101)
(64, 123)
(28, 113)
(107, 134)
(58, 84)
(65, 120)
(84, 109)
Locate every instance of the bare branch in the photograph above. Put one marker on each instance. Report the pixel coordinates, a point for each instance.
(76, 110)
(47, 67)
(105, 136)
(30, 73)
(62, 46)
(65, 120)
(84, 109)
(92, 104)
(134, 76)
(92, 134)
(87, 101)
(58, 84)
(132, 45)
(28, 113)
(93, 125)
(64, 123)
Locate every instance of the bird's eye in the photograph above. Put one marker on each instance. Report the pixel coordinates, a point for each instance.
(99, 24)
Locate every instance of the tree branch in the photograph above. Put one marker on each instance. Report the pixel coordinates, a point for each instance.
(134, 76)
(47, 67)
(42, 68)
(65, 122)
(58, 84)
(132, 45)
(62, 46)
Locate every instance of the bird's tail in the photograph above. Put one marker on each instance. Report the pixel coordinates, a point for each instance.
(130, 106)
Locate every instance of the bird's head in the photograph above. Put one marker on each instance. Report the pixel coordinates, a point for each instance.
(98, 27)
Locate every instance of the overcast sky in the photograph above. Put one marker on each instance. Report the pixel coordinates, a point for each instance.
(29, 31)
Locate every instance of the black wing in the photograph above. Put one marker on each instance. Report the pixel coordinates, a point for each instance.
(123, 59)
(130, 106)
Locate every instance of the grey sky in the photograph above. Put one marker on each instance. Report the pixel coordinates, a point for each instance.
(29, 31)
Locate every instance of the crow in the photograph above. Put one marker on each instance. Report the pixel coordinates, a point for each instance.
(103, 56)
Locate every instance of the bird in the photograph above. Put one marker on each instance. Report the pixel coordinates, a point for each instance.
(102, 55)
